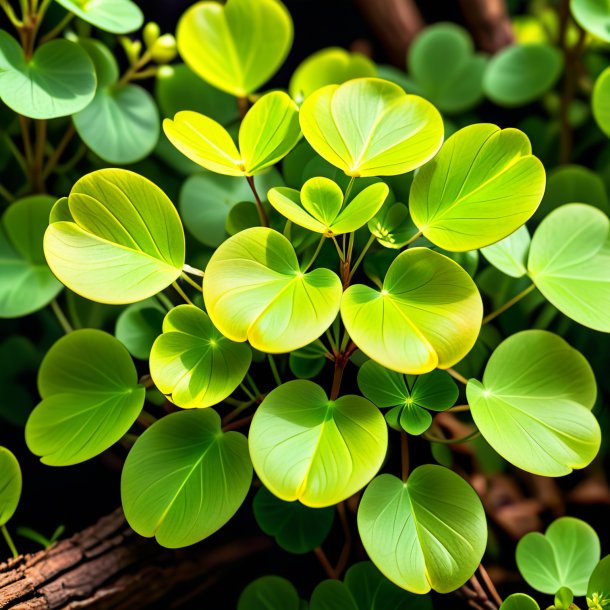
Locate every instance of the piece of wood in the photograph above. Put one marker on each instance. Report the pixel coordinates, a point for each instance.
(107, 566)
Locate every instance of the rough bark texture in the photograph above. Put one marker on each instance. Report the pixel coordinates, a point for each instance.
(108, 566)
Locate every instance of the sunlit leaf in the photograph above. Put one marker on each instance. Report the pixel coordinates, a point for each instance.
(125, 242)
(483, 185)
(90, 398)
(426, 533)
(184, 478)
(237, 46)
(10, 485)
(192, 363)
(534, 404)
(309, 448)
(427, 315)
(509, 255)
(563, 557)
(569, 261)
(370, 127)
(254, 290)
(593, 16)
(116, 16)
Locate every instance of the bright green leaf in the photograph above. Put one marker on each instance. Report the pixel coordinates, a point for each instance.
(90, 398)
(125, 243)
(192, 363)
(57, 81)
(106, 66)
(309, 448)
(296, 528)
(519, 601)
(600, 99)
(563, 557)
(116, 16)
(599, 583)
(269, 593)
(254, 290)
(138, 326)
(27, 282)
(184, 478)
(569, 262)
(534, 404)
(483, 185)
(427, 315)
(593, 16)
(509, 255)
(370, 127)
(10, 485)
(419, 538)
(238, 46)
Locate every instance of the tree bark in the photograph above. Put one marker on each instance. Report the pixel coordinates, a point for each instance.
(108, 566)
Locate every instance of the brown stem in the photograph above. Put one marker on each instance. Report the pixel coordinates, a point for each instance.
(326, 565)
(59, 151)
(404, 454)
(37, 161)
(490, 585)
(262, 215)
(347, 545)
(482, 597)
(240, 423)
(341, 360)
(242, 106)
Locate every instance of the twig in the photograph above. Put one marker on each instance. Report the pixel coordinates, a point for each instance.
(262, 215)
(490, 585)
(457, 376)
(404, 454)
(323, 559)
(347, 545)
(494, 314)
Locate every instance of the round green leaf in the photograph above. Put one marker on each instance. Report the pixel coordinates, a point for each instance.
(319, 206)
(254, 290)
(427, 315)
(116, 16)
(296, 528)
(599, 583)
(426, 533)
(309, 448)
(192, 363)
(519, 601)
(564, 556)
(483, 185)
(393, 226)
(593, 16)
(521, 73)
(269, 593)
(307, 362)
(332, 595)
(237, 46)
(509, 255)
(10, 485)
(184, 478)
(332, 66)
(569, 261)
(534, 404)
(138, 326)
(57, 81)
(600, 101)
(371, 127)
(125, 242)
(27, 282)
(90, 398)
(445, 68)
(106, 66)
(120, 125)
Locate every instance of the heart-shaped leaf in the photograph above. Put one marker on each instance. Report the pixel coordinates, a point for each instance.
(483, 185)
(371, 127)
(521, 73)
(269, 593)
(10, 485)
(254, 290)
(192, 363)
(57, 81)
(564, 556)
(519, 601)
(410, 396)
(27, 282)
(138, 326)
(426, 533)
(237, 46)
(184, 478)
(125, 241)
(569, 262)
(427, 315)
(598, 589)
(319, 206)
(268, 132)
(309, 448)
(592, 16)
(534, 404)
(509, 255)
(90, 398)
(116, 16)
(296, 528)
(332, 66)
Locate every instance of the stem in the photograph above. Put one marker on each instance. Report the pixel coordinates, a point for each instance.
(247, 392)
(348, 190)
(165, 301)
(10, 13)
(360, 258)
(451, 441)
(482, 597)
(27, 144)
(347, 545)
(274, 371)
(252, 384)
(339, 251)
(315, 254)
(413, 238)
(340, 363)
(59, 151)
(494, 314)
(242, 106)
(61, 318)
(240, 423)
(37, 171)
(58, 29)
(490, 585)
(4, 192)
(16, 153)
(457, 376)
(9, 541)
(192, 270)
(323, 559)
(262, 215)
(181, 292)
(194, 284)
(404, 454)
(332, 342)
(145, 419)
(459, 409)
(229, 417)
(131, 72)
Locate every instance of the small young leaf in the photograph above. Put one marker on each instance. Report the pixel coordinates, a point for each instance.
(192, 363)
(184, 478)
(10, 485)
(269, 593)
(309, 448)
(564, 556)
(90, 398)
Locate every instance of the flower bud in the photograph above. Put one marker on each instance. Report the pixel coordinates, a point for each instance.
(164, 49)
(151, 32)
